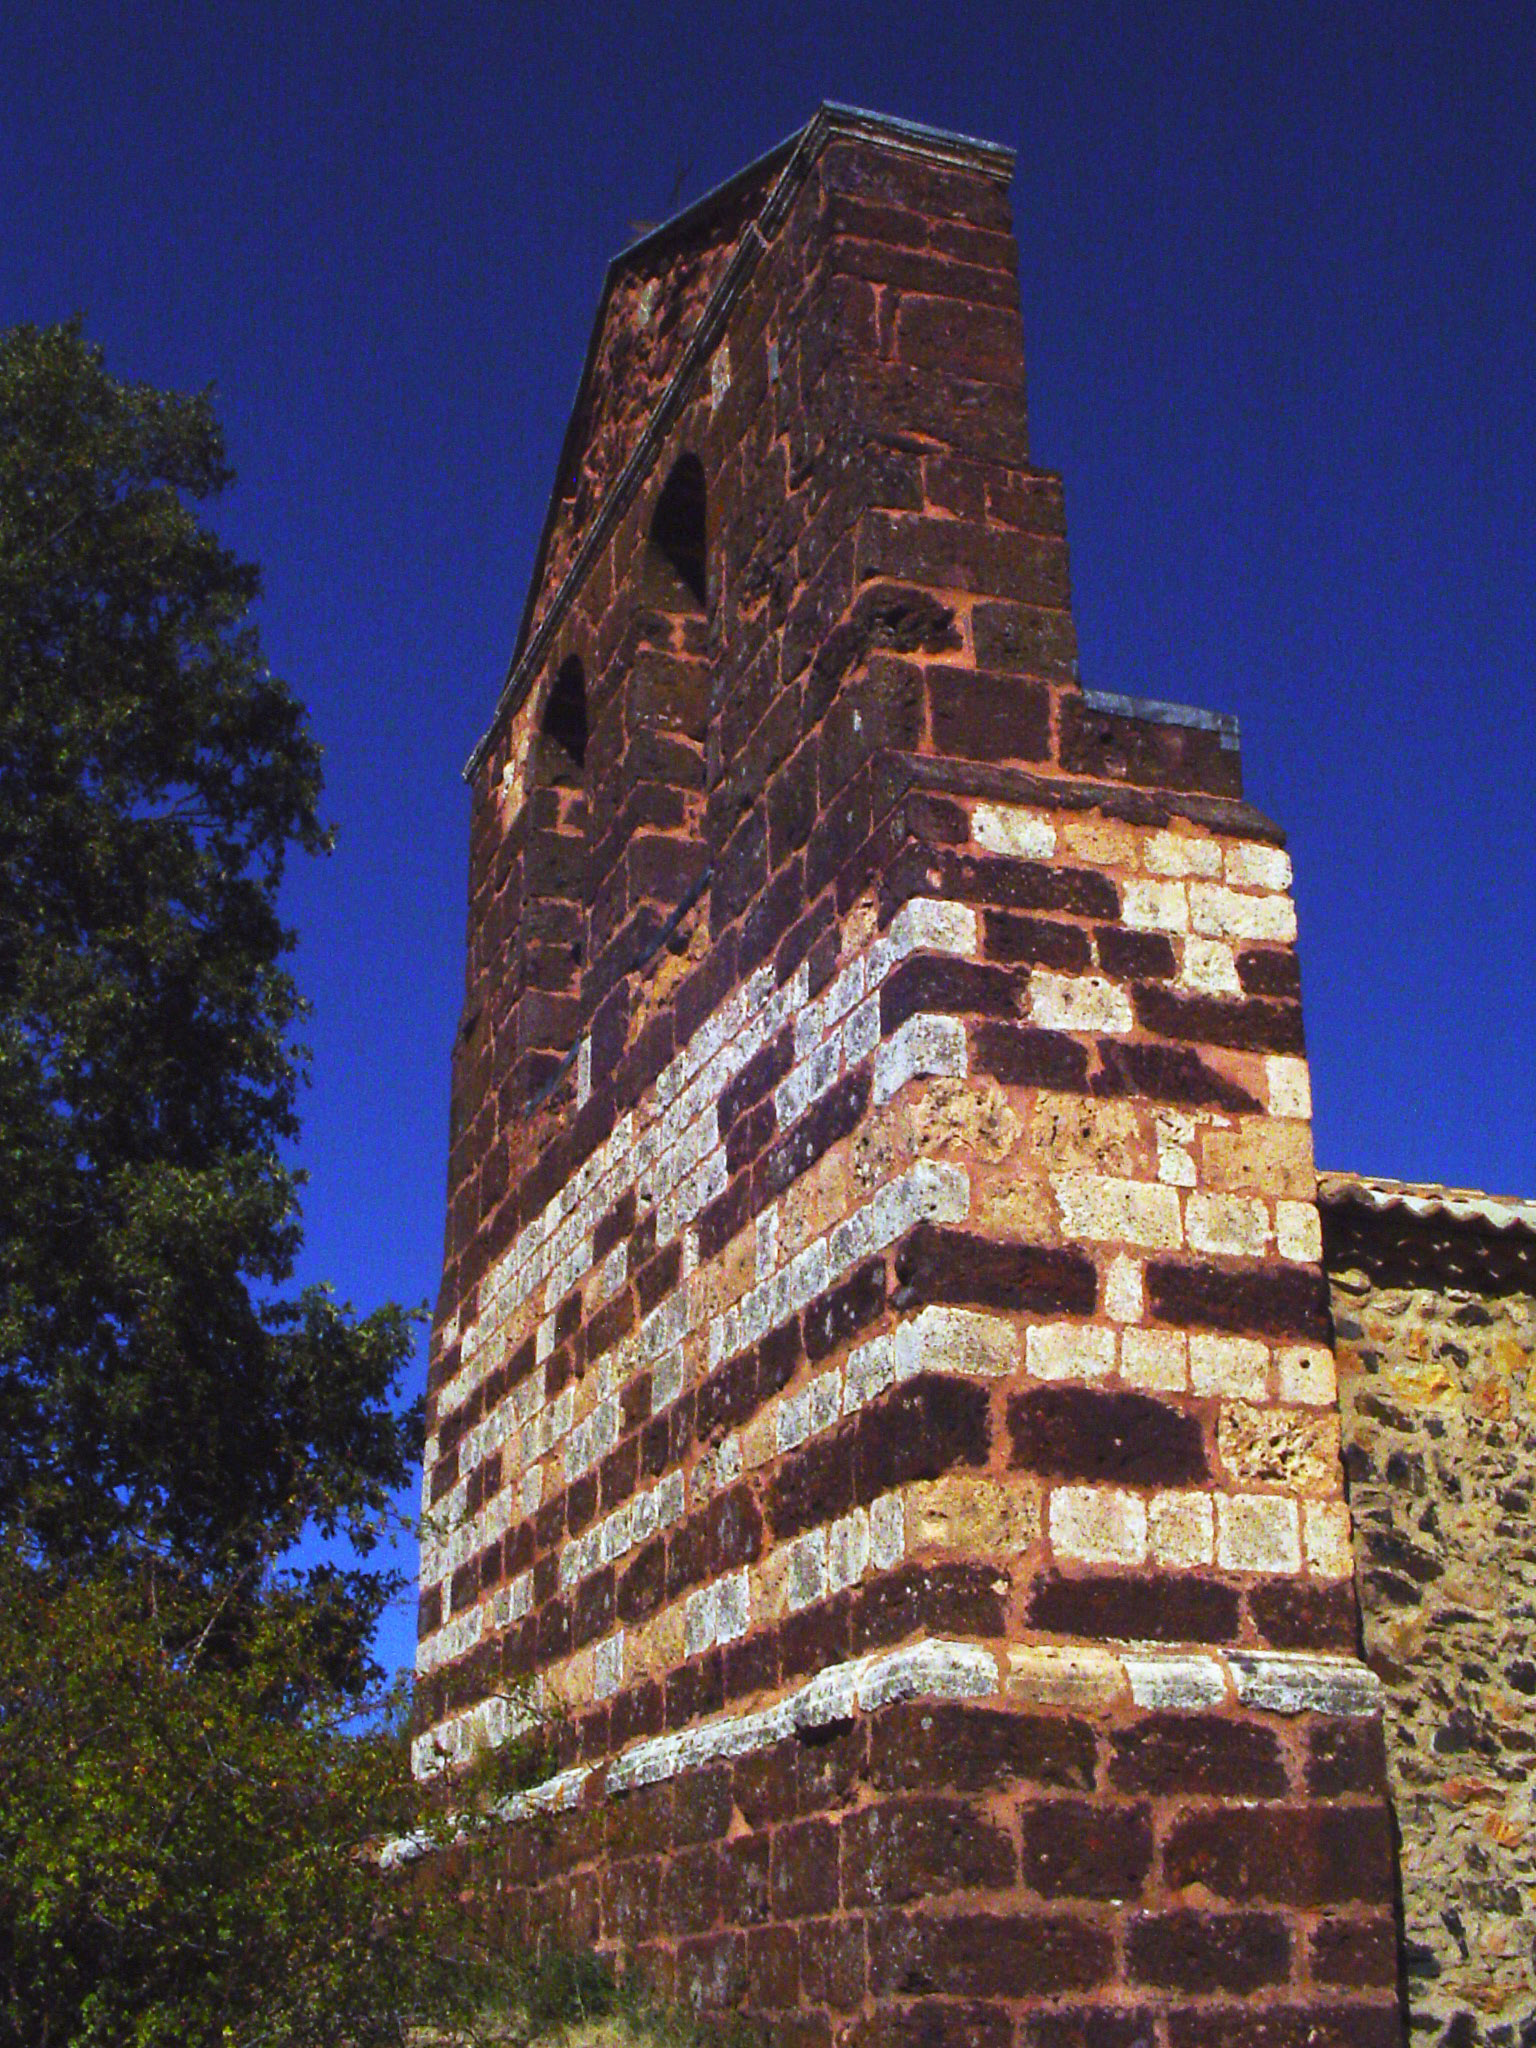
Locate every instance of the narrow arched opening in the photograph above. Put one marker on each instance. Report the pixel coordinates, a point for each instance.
(676, 570)
(563, 728)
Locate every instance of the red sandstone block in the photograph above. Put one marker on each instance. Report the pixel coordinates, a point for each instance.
(728, 1397)
(1024, 1057)
(1345, 1755)
(1269, 971)
(832, 1966)
(926, 271)
(1295, 1856)
(1192, 1951)
(1141, 751)
(701, 1809)
(1078, 1848)
(772, 915)
(958, 987)
(837, 1316)
(986, 1955)
(877, 178)
(1028, 639)
(977, 1749)
(690, 1892)
(818, 1636)
(829, 1765)
(580, 1507)
(752, 1665)
(1038, 942)
(883, 708)
(933, 2023)
(1277, 1302)
(814, 1484)
(1145, 956)
(802, 1873)
(773, 1967)
(1247, 1023)
(766, 1785)
(1167, 1073)
(735, 1529)
(842, 829)
(1197, 1753)
(711, 1973)
(937, 820)
(758, 1077)
(956, 554)
(1004, 882)
(743, 1880)
(631, 1894)
(963, 1599)
(936, 1264)
(1297, 1615)
(1151, 1607)
(1356, 1953)
(1319, 2025)
(1069, 1432)
(831, 1117)
(749, 1137)
(695, 1690)
(921, 1430)
(978, 717)
(919, 1848)
(1098, 2026)
(637, 1711)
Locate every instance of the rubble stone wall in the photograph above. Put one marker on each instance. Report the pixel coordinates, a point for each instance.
(1436, 1327)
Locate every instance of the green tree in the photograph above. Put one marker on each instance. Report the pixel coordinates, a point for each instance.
(183, 1795)
(179, 1847)
(154, 776)
(194, 1767)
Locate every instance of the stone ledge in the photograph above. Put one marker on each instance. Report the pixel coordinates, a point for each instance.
(1142, 1676)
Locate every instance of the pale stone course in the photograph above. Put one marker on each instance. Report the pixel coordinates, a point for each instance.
(1220, 913)
(1098, 1525)
(1181, 853)
(1290, 1086)
(1124, 1296)
(1228, 1365)
(1155, 1359)
(1069, 1351)
(1253, 866)
(1180, 1528)
(925, 1044)
(1298, 1232)
(1257, 1532)
(1155, 906)
(1001, 828)
(1209, 967)
(1079, 1002)
(1105, 1209)
(1306, 1374)
(1233, 1226)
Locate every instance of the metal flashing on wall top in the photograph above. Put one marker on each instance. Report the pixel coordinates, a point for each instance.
(1155, 711)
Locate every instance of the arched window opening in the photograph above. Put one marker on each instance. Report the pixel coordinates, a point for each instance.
(676, 575)
(564, 728)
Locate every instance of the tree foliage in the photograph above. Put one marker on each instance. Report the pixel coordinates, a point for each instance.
(179, 1848)
(194, 1778)
(154, 776)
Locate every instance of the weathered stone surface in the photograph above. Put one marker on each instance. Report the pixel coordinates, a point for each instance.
(1437, 1394)
(881, 1390)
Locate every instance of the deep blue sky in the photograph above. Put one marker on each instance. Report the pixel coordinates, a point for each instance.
(1279, 275)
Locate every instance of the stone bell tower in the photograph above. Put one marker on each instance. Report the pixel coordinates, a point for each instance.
(882, 1386)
